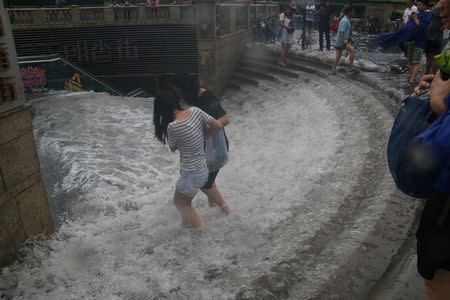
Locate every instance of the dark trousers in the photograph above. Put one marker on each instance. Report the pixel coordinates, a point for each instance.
(325, 31)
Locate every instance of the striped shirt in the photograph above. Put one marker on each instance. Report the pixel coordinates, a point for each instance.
(189, 137)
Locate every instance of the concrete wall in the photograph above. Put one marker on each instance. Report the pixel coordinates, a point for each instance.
(219, 58)
(24, 210)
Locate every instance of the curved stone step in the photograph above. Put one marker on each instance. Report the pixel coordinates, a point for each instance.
(243, 78)
(270, 67)
(257, 73)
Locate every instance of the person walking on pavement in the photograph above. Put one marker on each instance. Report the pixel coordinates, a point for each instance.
(416, 47)
(324, 24)
(310, 16)
(286, 31)
(343, 39)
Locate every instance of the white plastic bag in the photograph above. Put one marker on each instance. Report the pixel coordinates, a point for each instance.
(216, 151)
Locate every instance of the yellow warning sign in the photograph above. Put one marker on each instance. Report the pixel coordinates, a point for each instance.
(74, 84)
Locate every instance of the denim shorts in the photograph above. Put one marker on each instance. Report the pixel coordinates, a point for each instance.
(191, 181)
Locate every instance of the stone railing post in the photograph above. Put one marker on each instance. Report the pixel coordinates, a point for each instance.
(109, 14)
(75, 12)
(205, 11)
(142, 13)
(231, 19)
(175, 13)
(39, 17)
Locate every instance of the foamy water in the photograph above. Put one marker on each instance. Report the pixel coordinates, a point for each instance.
(122, 239)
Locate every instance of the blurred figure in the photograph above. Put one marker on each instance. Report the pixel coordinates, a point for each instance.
(310, 16)
(434, 42)
(433, 234)
(410, 8)
(343, 39)
(416, 47)
(324, 24)
(285, 37)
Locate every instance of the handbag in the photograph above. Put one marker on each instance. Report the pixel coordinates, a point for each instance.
(436, 139)
(411, 162)
(216, 151)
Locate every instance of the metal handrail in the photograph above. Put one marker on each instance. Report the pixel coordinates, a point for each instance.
(57, 57)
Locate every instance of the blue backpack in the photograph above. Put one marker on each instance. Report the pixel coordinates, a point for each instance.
(413, 166)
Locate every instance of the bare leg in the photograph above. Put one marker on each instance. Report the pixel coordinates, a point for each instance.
(336, 60)
(215, 196)
(415, 68)
(283, 52)
(188, 214)
(352, 52)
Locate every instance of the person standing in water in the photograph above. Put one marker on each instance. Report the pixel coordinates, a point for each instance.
(183, 130)
(343, 39)
(216, 147)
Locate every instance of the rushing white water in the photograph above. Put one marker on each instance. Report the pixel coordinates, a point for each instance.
(122, 239)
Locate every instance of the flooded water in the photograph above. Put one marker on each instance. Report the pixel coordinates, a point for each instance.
(121, 238)
(299, 148)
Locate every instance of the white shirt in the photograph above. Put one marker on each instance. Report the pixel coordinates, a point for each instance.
(408, 12)
(285, 20)
(446, 34)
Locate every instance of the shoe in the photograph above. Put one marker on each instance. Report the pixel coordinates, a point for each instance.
(282, 64)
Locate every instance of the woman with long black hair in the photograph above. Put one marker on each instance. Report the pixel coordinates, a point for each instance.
(216, 147)
(183, 130)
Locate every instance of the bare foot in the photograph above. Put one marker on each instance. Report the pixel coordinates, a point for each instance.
(211, 203)
(225, 210)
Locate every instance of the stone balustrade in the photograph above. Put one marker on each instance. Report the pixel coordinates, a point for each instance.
(263, 11)
(80, 16)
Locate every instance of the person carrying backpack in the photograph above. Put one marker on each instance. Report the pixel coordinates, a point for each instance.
(433, 234)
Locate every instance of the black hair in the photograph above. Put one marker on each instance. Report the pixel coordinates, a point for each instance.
(425, 2)
(189, 87)
(348, 9)
(165, 104)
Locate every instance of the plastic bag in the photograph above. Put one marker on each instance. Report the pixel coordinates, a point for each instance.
(216, 151)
